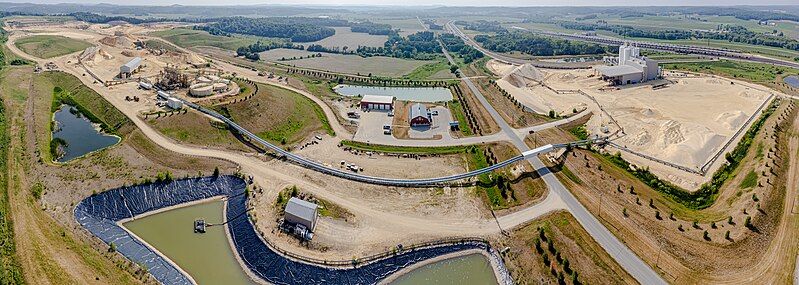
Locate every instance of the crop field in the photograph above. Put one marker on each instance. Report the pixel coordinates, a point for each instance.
(278, 115)
(703, 23)
(406, 26)
(352, 64)
(46, 46)
(191, 38)
(346, 38)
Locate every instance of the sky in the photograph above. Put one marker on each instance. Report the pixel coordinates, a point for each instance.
(436, 2)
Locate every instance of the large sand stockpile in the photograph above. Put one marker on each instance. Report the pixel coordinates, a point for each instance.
(686, 123)
(524, 75)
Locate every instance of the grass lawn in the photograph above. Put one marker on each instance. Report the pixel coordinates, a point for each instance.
(351, 64)
(405, 149)
(428, 70)
(278, 115)
(196, 129)
(11, 272)
(46, 46)
(456, 107)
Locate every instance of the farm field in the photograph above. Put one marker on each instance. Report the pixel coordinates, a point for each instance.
(353, 64)
(47, 46)
(191, 38)
(346, 38)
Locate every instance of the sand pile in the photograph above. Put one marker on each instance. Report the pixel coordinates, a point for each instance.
(524, 75)
(117, 41)
(90, 55)
(731, 120)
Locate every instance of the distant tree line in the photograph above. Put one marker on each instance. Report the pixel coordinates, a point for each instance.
(482, 26)
(420, 45)
(298, 29)
(628, 31)
(251, 51)
(732, 33)
(371, 28)
(539, 46)
(455, 44)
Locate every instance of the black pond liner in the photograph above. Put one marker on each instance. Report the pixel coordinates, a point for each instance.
(100, 213)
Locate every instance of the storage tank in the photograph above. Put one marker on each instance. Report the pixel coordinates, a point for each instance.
(219, 87)
(201, 89)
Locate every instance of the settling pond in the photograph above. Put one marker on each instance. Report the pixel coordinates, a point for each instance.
(156, 239)
(207, 257)
(416, 94)
(473, 269)
(80, 135)
(792, 80)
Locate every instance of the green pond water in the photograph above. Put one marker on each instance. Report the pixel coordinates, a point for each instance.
(465, 270)
(207, 257)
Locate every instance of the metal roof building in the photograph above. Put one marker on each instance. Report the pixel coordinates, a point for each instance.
(377, 102)
(131, 66)
(419, 115)
(301, 212)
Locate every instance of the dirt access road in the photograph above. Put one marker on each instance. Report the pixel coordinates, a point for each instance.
(264, 175)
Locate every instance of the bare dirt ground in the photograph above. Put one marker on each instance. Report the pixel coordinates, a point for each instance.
(685, 123)
(673, 244)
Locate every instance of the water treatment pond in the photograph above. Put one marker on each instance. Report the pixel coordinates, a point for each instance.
(470, 269)
(416, 94)
(78, 135)
(792, 80)
(207, 257)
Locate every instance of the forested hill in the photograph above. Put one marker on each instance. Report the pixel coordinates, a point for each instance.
(298, 29)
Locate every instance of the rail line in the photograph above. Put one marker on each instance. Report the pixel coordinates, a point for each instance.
(319, 167)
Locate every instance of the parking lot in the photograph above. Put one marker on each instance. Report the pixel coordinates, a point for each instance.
(371, 128)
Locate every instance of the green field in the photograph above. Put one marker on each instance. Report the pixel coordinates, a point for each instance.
(191, 38)
(278, 115)
(46, 46)
(430, 71)
(351, 64)
(10, 271)
(749, 71)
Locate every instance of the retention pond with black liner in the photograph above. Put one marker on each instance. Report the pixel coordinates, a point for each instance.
(120, 216)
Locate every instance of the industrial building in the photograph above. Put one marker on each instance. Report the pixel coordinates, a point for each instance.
(375, 102)
(419, 116)
(629, 68)
(301, 214)
(129, 68)
(174, 103)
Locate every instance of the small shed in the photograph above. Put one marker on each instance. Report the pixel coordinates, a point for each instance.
(301, 212)
(375, 102)
(419, 115)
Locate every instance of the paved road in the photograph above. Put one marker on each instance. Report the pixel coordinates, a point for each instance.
(512, 60)
(636, 267)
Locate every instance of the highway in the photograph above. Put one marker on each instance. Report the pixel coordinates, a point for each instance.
(628, 260)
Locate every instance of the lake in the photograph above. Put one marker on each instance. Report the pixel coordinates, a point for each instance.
(465, 270)
(792, 80)
(207, 257)
(415, 94)
(80, 135)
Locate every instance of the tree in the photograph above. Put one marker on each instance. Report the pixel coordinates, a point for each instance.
(729, 220)
(651, 203)
(748, 222)
(113, 247)
(727, 235)
(453, 68)
(624, 212)
(657, 215)
(216, 171)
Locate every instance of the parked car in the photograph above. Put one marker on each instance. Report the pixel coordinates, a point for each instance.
(434, 112)
(391, 113)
